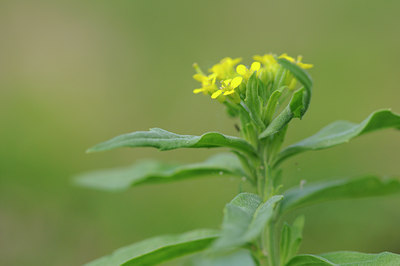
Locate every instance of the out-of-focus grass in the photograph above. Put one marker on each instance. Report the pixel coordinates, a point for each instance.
(75, 73)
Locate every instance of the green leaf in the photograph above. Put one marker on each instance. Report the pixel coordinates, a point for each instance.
(340, 132)
(156, 172)
(291, 238)
(299, 103)
(270, 108)
(158, 249)
(253, 100)
(369, 186)
(292, 110)
(358, 258)
(244, 219)
(164, 140)
(304, 78)
(348, 258)
(240, 257)
(306, 260)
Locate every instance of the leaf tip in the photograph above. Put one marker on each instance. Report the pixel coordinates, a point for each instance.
(90, 150)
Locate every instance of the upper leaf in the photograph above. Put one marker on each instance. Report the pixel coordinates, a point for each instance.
(164, 140)
(338, 189)
(294, 109)
(154, 172)
(298, 104)
(158, 249)
(340, 132)
(244, 219)
(349, 258)
(300, 74)
(253, 100)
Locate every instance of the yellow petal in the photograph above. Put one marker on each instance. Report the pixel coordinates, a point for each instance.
(299, 58)
(285, 56)
(258, 58)
(305, 66)
(241, 70)
(229, 92)
(270, 59)
(236, 61)
(216, 94)
(255, 66)
(226, 82)
(195, 91)
(236, 82)
(198, 77)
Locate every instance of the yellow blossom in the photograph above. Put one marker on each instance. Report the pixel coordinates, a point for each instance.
(225, 68)
(245, 72)
(267, 59)
(297, 62)
(228, 87)
(207, 83)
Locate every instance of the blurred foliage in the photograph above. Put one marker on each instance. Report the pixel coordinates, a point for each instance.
(74, 73)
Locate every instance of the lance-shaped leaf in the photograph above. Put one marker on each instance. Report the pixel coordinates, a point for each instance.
(369, 186)
(241, 257)
(158, 249)
(358, 258)
(291, 238)
(156, 172)
(286, 115)
(253, 100)
(164, 140)
(304, 78)
(244, 219)
(340, 132)
(309, 260)
(346, 258)
(299, 103)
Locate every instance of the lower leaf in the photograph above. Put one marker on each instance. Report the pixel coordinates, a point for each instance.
(158, 249)
(240, 257)
(291, 238)
(348, 258)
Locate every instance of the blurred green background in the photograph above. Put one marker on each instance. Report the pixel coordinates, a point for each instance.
(74, 73)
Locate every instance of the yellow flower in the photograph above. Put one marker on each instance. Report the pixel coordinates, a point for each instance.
(207, 83)
(225, 68)
(228, 87)
(246, 73)
(267, 59)
(297, 62)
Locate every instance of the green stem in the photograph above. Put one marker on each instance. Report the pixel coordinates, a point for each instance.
(270, 230)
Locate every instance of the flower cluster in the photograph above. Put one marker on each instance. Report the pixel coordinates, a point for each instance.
(228, 81)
